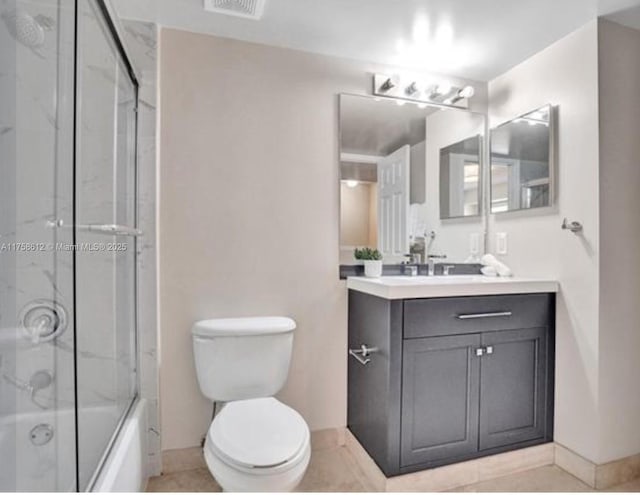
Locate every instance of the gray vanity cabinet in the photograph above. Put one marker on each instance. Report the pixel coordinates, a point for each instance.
(440, 387)
(452, 378)
(513, 406)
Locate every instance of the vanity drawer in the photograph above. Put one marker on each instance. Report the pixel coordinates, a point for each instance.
(460, 315)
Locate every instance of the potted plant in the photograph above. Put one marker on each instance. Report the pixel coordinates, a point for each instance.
(372, 261)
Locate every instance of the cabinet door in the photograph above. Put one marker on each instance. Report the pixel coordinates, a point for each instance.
(440, 394)
(513, 387)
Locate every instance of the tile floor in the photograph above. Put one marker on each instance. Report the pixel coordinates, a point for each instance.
(334, 470)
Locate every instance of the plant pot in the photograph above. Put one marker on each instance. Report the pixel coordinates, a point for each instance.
(373, 268)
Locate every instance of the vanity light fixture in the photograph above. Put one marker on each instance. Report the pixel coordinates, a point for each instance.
(387, 85)
(443, 89)
(411, 89)
(464, 93)
(351, 183)
(418, 91)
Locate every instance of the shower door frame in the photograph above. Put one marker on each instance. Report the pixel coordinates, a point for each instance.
(106, 14)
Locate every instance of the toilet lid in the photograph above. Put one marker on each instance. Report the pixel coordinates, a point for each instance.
(258, 432)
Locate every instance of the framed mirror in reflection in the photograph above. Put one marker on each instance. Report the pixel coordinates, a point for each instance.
(411, 180)
(522, 162)
(460, 179)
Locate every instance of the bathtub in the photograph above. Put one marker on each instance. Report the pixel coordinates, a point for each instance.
(124, 469)
(28, 467)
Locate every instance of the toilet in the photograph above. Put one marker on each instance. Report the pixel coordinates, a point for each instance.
(255, 442)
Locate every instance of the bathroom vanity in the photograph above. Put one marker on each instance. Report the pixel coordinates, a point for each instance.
(445, 369)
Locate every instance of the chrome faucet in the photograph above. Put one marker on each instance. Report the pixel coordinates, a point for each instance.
(411, 265)
(432, 262)
(446, 269)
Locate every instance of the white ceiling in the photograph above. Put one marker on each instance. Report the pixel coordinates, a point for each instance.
(477, 39)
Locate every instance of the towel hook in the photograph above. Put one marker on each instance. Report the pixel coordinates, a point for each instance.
(362, 354)
(574, 227)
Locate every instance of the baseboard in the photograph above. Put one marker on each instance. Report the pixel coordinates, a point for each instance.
(576, 465)
(453, 475)
(599, 476)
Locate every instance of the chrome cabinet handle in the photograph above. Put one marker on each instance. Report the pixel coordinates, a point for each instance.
(481, 351)
(475, 316)
(362, 353)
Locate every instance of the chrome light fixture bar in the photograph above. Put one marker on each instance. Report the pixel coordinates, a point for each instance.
(421, 91)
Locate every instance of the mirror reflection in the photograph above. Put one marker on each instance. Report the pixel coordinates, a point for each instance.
(521, 162)
(460, 179)
(410, 180)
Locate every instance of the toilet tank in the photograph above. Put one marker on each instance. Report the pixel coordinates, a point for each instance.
(242, 358)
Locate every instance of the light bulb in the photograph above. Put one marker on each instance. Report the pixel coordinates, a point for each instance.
(351, 183)
(443, 88)
(466, 92)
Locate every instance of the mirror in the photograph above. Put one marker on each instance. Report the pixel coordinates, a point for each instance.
(522, 162)
(411, 180)
(460, 179)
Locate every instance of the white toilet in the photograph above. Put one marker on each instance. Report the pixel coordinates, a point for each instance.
(255, 443)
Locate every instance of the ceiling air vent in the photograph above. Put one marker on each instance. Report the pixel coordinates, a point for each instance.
(250, 9)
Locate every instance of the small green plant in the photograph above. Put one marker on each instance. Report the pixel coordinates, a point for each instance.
(367, 254)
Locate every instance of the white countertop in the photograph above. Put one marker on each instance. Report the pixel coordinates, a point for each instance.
(404, 287)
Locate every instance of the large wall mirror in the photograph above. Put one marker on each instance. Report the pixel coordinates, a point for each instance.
(522, 162)
(410, 180)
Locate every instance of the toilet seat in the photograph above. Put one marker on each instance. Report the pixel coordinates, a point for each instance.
(258, 435)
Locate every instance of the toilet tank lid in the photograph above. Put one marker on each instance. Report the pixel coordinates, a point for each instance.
(233, 327)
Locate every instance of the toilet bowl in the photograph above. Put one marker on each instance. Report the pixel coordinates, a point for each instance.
(258, 445)
(255, 443)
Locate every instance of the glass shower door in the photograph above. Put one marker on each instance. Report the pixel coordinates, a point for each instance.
(105, 230)
(37, 413)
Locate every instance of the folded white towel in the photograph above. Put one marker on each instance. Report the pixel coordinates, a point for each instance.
(500, 268)
(489, 271)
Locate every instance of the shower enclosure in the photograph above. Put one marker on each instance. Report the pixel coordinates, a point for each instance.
(68, 233)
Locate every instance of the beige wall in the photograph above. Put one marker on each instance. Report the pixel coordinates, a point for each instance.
(249, 212)
(564, 74)
(250, 205)
(619, 82)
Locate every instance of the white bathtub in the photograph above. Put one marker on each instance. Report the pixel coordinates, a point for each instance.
(124, 469)
(35, 468)
(26, 467)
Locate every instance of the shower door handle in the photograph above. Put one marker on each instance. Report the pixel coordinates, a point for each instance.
(110, 229)
(100, 228)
